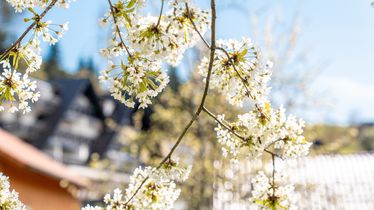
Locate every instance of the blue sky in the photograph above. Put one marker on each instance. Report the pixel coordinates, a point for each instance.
(340, 32)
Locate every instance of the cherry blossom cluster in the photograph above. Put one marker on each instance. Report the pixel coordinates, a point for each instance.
(148, 40)
(260, 129)
(21, 5)
(50, 33)
(272, 192)
(241, 74)
(16, 89)
(9, 198)
(158, 189)
(140, 78)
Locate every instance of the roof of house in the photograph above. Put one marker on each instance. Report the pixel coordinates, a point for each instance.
(66, 91)
(338, 181)
(69, 89)
(13, 148)
(322, 182)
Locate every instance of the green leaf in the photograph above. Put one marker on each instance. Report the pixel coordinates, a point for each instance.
(123, 66)
(152, 84)
(143, 86)
(8, 96)
(130, 10)
(243, 53)
(128, 20)
(131, 3)
(32, 11)
(153, 73)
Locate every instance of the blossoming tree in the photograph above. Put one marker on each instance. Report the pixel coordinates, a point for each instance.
(138, 47)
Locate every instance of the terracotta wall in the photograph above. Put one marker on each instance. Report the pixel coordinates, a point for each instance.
(36, 190)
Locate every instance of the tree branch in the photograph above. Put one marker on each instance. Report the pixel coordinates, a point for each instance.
(273, 154)
(19, 40)
(117, 28)
(159, 17)
(201, 106)
(228, 56)
(222, 123)
(273, 184)
(244, 81)
(194, 26)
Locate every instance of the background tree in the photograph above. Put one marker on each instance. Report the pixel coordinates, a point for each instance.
(5, 19)
(52, 65)
(293, 72)
(200, 146)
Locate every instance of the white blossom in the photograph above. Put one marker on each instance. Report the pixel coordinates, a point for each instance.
(139, 80)
(16, 90)
(261, 128)
(185, 33)
(89, 207)
(30, 54)
(9, 198)
(242, 76)
(152, 37)
(180, 22)
(21, 5)
(114, 49)
(50, 32)
(158, 192)
(64, 3)
(269, 193)
(124, 12)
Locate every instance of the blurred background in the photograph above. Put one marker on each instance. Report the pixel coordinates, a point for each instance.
(78, 143)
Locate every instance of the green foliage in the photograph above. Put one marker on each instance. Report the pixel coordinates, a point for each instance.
(366, 139)
(334, 139)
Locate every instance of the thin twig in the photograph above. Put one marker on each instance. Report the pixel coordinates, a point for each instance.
(222, 123)
(273, 185)
(272, 143)
(236, 70)
(244, 81)
(117, 28)
(273, 154)
(159, 17)
(200, 108)
(19, 40)
(194, 26)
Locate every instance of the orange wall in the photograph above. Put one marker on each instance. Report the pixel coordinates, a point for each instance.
(38, 191)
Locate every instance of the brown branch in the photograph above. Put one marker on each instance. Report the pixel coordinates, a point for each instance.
(117, 28)
(273, 185)
(222, 123)
(159, 17)
(244, 81)
(19, 40)
(201, 106)
(273, 154)
(194, 26)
